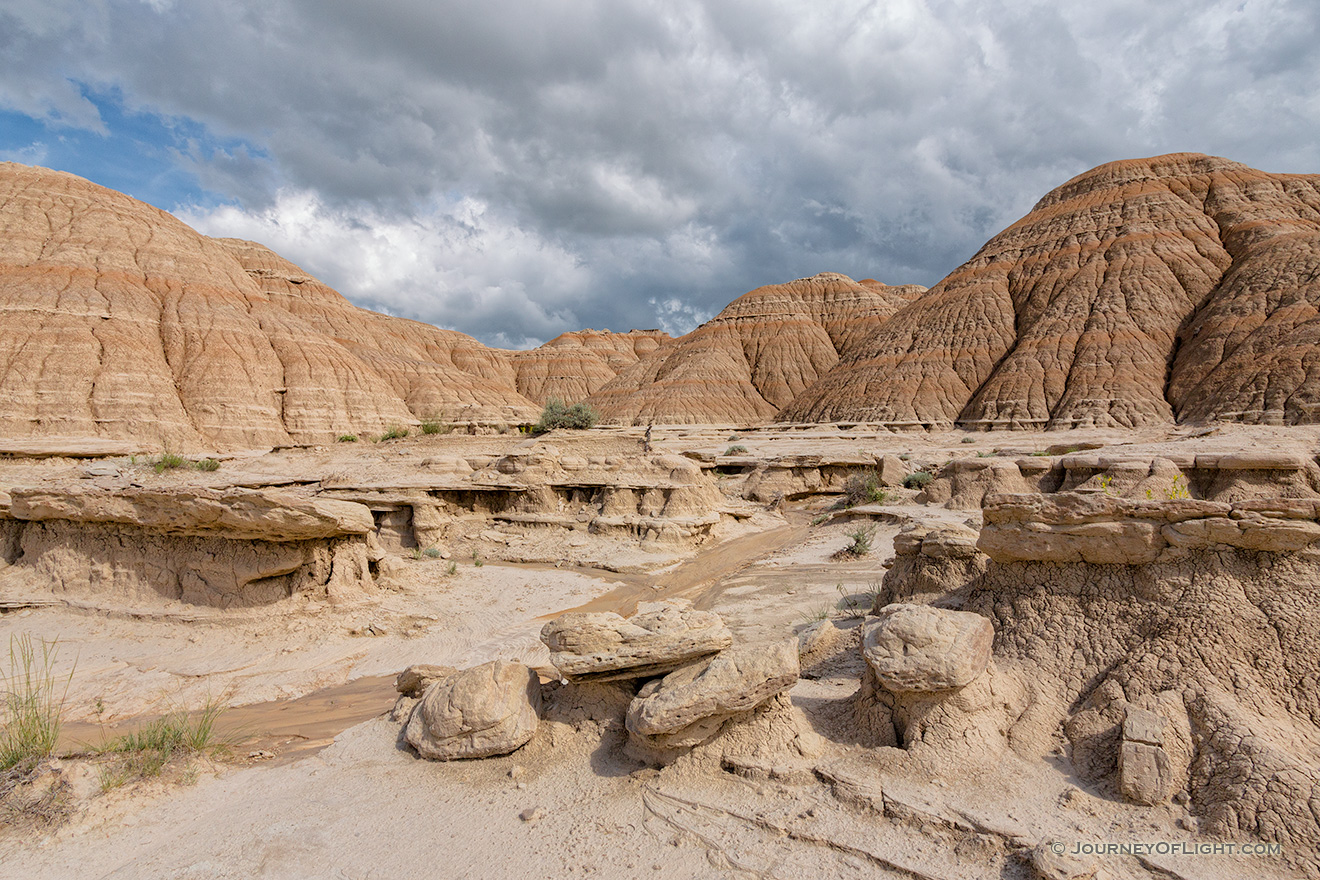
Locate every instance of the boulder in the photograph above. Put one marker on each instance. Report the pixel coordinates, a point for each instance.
(916, 648)
(487, 710)
(689, 705)
(414, 680)
(659, 638)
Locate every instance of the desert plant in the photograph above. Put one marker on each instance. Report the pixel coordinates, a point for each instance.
(736, 450)
(436, 426)
(452, 569)
(917, 480)
(168, 461)
(557, 414)
(863, 489)
(347, 438)
(393, 433)
(819, 518)
(207, 464)
(146, 751)
(1177, 489)
(33, 701)
(861, 542)
(969, 439)
(818, 613)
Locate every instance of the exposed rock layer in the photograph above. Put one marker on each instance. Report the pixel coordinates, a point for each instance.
(1143, 291)
(119, 321)
(755, 356)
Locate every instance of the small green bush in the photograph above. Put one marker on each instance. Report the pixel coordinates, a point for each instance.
(207, 464)
(969, 439)
(347, 438)
(736, 450)
(861, 542)
(863, 489)
(394, 433)
(436, 426)
(557, 414)
(917, 480)
(168, 461)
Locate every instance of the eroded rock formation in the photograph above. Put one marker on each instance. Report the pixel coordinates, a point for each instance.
(119, 321)
(1143, 291)
(573, 365)
(755, 356)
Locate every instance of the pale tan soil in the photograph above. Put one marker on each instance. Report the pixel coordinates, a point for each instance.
(367, 806)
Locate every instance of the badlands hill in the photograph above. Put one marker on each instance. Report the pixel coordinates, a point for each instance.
(756, 356)
(1182, 287)
(120, 322)
(573, 365)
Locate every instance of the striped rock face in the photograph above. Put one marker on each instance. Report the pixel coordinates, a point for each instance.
(1183, 287)
(754, 357)
(119, 321)
(573, 365)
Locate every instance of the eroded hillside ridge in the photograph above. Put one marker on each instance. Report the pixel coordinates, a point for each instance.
(755, 356)
(1182, 287)
(119, 321)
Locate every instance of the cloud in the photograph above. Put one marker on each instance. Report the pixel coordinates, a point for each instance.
(569, 163)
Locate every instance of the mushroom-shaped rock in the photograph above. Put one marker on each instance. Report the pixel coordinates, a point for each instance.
(689, 705)
(917, 648)
(659, 638)
(487, 710)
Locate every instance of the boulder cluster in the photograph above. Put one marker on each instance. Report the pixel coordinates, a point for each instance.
(692, 681)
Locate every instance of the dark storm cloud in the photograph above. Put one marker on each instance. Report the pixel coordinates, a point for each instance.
(515, 169)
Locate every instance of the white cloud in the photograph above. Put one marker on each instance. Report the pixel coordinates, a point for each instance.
(515, 169)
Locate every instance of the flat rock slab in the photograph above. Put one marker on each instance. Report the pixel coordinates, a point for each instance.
(688, 705)
(491, 709)
(659, 638)
(241, 514)
(917, 649)
(67, 447)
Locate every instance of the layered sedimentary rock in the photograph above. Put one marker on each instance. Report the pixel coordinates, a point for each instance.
(118, 321)
(219, 548)
(659, 638)
(689, 705)
(755, 356)
(1143, 291)
(573, 365)
(1174, 640)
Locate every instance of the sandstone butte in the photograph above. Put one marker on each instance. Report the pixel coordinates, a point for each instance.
(755, 356)
(1182, 287)
(120, 322)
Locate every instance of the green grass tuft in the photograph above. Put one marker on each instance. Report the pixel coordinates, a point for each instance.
(207, 464)
(33, 706)
(394, 433)
(347, 438)
(736, 450)
(168, 461)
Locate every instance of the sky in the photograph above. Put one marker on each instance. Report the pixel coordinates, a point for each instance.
(514, 170)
